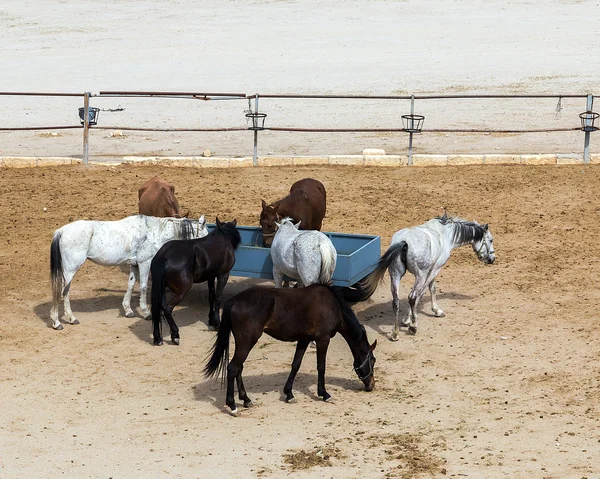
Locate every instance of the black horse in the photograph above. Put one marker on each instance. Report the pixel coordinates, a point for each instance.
(180, 264)
(315, 313)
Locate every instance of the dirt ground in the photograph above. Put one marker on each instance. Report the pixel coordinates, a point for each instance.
(506, 385)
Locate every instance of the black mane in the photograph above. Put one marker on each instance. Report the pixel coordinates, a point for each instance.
(356, 329)
(465, 231)
(230, 232)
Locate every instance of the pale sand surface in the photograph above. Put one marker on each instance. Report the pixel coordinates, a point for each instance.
(506, 385)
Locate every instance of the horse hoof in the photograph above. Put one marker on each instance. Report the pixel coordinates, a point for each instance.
(158, 343)
(129, 314)
(248, 404)
(147, 315)
(59, 327)
(212, 327)
(235, 412)
(75, 321)
(291, 400)
(175, 341)
(440, 314)
(412, 330)
(393, 337)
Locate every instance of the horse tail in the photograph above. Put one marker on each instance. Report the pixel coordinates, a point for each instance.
(157, 270)
(219, 355)
(56, 267)
(394, 252)
(327, 263)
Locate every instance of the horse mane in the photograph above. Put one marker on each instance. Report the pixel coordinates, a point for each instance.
(354, 327)
(229, 231)
(184, 229)
(465, 231)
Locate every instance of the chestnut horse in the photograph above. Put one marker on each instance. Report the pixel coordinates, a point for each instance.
(157, 198)
(305, 203)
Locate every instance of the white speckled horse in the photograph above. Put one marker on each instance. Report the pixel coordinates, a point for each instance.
(133, 240)
(307, 256)
(423, 250)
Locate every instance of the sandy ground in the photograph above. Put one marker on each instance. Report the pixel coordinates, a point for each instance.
(355, 47)
(506, 385)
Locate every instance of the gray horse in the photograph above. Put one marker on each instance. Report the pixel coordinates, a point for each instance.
(423, 250)
(307, 256)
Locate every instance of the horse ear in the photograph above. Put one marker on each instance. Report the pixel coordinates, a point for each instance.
(297, 225)
(486, 227)
(218, 223)
(234, 222)
(373, 346)
(445, 215)
(264, 204)
(202, 220)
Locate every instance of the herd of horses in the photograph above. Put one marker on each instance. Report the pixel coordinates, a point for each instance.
(178, 252)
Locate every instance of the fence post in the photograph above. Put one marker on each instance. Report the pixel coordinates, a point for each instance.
(255, 155)
(410, 134)
(586, 141)
(86, 127)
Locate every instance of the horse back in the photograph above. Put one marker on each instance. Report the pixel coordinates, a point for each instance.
(157, 198)
(288, 314)
(306, 203)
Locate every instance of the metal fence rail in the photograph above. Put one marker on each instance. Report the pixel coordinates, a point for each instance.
(413, 125)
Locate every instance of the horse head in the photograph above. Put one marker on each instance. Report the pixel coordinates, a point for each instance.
(364, 367)
(268, 219)
(201, 230)
(288, 224)
(484, 248)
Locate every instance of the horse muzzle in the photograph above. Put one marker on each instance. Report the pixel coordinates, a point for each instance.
(369, 383)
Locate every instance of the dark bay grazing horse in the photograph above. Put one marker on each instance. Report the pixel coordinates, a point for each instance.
(315, 313)
(180, 264)
(423, 250)
(306, 203)
(157, 198)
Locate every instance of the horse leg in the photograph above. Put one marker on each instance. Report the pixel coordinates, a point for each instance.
(322, 346)
(437, 311)
(221, 283)
(242, 389)
(71, 319)
(396, 274)
(133, 275)
(278, 278)
(300, 350)
(413, 301)
(234, 371)
(144, 274)
(174, 301)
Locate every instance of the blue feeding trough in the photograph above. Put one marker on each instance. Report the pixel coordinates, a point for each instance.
(357, 256)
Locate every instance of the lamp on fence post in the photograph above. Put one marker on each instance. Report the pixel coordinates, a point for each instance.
(588, 124)
(88, 117)
(412, 124)
(258, 123)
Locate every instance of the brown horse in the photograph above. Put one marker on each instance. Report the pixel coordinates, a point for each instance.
(316, 312)
(305, 203)
(157, 198)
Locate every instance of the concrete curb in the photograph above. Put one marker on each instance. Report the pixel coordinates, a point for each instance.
(366, 159)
